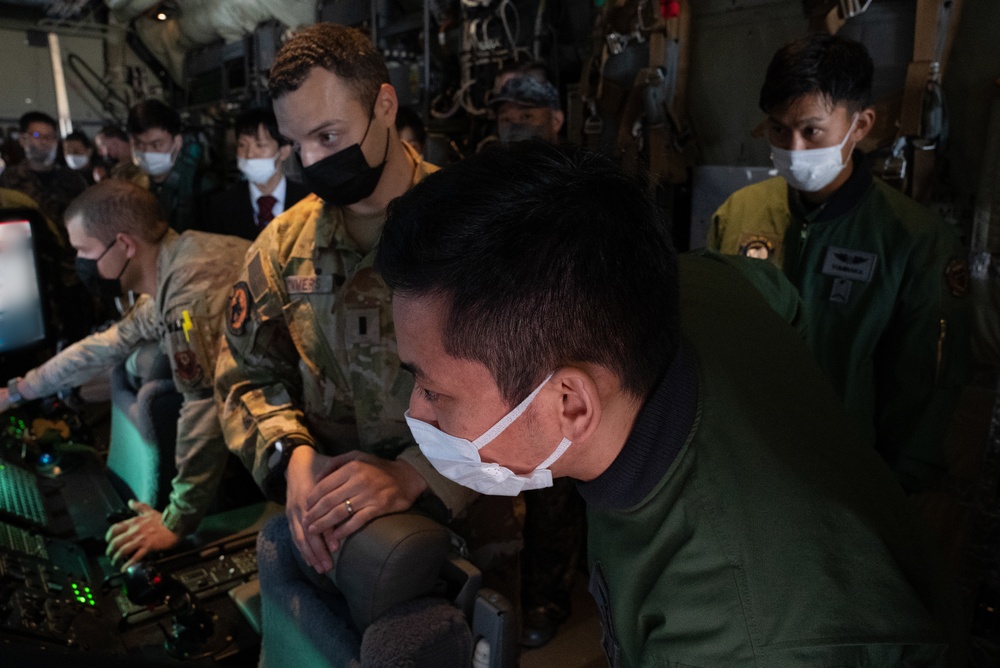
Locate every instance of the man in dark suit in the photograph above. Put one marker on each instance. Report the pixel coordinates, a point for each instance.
(246, 208)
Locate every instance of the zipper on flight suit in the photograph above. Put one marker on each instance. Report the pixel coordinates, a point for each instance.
(800, 251)
(942, 335)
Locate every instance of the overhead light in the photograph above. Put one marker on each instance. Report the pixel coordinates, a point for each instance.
(164, 11)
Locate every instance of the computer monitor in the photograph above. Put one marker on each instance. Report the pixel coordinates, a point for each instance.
(22, 311)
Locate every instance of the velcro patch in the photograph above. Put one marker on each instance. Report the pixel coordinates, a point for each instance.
(850, 264)
(840, 291)
(757, 246)
(363, 325)
(255, 272)
(238, 312)
(187, 368)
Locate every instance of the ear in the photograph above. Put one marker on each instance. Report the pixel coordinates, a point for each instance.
(178, 143)
(558, 118)
(129, 242)
(386, 105)
(866, 121)
(579, 403)
(284, 152)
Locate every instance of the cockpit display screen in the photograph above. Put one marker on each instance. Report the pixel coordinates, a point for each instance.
(22, 321)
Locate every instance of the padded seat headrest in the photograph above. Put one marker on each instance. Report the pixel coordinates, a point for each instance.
(392, 559)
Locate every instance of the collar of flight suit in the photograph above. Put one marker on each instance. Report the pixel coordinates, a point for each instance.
(662, 428)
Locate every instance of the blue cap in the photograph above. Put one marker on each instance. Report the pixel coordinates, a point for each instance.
(527, 91)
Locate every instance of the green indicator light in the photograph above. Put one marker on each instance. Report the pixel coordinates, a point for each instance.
(86, 589)
(74, 585)
(81, 599)
(92, 603)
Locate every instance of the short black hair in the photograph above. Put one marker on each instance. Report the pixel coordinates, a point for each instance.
(80, 136)
(407, 117)
(346, 52)
(838, 68)
(113, 130)
(248, 122)
(546, 256)
(151, 114)
(37, 117)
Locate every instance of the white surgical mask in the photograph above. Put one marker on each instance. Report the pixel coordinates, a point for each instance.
(257, 170)
(458, 459)
(154, 164)
(811, 170)
(76, 161)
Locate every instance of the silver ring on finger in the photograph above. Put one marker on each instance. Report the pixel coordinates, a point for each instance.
(350, 509)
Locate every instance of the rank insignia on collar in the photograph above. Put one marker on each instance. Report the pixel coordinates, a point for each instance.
(239, 309)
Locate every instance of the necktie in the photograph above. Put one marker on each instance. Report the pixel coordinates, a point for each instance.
(265, 210)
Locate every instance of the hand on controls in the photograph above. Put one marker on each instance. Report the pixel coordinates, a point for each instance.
(136, 537)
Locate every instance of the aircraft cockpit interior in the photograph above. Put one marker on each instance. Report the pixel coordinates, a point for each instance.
(497, 333)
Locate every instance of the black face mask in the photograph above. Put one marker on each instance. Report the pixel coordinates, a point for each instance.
(345, 177)
(96, 284)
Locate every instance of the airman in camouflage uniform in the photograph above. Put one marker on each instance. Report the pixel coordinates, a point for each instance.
(311, 349)
(187, 281)
(311, 392)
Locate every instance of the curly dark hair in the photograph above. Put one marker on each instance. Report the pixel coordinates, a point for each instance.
(346, 52)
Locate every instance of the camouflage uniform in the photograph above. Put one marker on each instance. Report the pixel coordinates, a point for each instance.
(312, 349)
(312, 354)
(53, 194)
(194, 273)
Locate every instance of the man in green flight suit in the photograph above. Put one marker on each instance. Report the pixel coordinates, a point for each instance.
(882, 277)
(168, 163)
(123, 243)
(310, 388)
(736, 517)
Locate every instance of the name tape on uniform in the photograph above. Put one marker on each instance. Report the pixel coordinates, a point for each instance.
(297, 285)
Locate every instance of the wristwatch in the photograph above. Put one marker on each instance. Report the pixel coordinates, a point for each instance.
(277, 462)
(14, 397)
(282, 452)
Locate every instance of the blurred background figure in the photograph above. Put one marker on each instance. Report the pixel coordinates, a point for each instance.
(247, 207)
(78, 152)
(528, 108)
(112, 145)
(411, 129)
